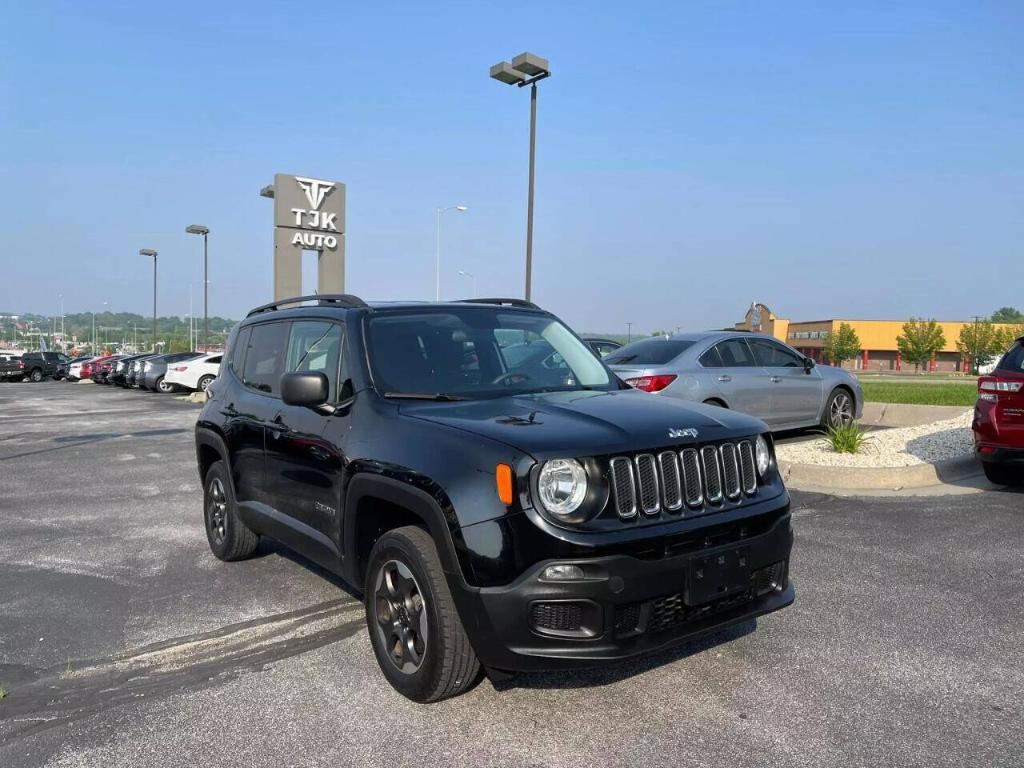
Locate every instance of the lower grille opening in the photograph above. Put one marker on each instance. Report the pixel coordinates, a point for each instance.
(671, 611)
(566, 618)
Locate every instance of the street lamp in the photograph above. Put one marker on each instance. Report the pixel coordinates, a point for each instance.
(460, 209)
(151, 252)
(526, 69)
(198, 229)
(472, 277)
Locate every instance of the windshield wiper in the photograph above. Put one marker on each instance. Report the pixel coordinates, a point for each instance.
(439, 397)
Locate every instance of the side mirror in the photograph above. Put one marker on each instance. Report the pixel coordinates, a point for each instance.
(809, 364)
(308, 389)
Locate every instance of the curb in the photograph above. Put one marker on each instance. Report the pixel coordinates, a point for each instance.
(816, 477)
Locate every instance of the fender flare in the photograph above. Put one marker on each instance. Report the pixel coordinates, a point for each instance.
(207, 437)
(417, 501)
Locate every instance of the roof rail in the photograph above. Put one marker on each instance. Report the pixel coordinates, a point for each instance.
(502, 302)
(345, 300)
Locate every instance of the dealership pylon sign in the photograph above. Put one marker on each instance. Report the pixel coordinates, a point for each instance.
(309, 215)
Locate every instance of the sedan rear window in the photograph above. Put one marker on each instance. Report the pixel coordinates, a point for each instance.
(649, 352)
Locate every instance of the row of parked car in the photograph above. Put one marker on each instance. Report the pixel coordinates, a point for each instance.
(172, 372)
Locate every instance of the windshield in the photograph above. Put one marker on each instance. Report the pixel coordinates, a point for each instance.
(656, 351)
(479, 352)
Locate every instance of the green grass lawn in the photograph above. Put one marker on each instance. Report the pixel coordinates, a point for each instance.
(920, 393)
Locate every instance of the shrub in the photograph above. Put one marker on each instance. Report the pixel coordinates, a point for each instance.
(849, 438)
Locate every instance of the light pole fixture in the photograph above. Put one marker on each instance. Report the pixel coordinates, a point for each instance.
(198, 229)
(472, 277)
(437, 266)
(151, 252)
(526, 69)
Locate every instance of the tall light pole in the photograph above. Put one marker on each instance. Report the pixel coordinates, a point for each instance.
(63, 341)
(460, 209)
(526, 69)
(472, 277)
(198, 229)
(151, 252)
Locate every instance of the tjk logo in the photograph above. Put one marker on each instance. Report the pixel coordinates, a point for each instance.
(316, 190)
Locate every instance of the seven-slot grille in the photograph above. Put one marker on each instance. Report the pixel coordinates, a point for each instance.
(691, 478)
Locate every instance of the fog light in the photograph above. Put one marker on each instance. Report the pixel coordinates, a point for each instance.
(562, 573)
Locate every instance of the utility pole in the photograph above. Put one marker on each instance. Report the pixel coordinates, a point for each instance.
(629, 332)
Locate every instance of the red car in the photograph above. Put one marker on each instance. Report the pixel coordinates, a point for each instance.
(999, 419)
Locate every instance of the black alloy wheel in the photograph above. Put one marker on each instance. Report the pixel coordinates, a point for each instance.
(402, 626)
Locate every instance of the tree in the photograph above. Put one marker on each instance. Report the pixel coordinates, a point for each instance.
(1008, 315)
(1005, 336)
(920, 341)
(980, 341)
(842, 345)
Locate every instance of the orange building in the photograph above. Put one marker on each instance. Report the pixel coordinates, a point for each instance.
(877, 337)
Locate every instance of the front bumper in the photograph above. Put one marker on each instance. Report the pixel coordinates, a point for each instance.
(629, 605)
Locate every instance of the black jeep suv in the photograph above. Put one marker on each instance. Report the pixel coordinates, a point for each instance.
(490, 516)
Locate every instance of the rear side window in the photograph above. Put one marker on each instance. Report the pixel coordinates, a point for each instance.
(649, 352)
(1013, 361)
(264, 360)
(315, 345)
(711, 359)
(214, 360)
(735, 354)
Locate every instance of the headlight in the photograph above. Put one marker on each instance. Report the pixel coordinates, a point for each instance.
(762, 455)
(562, 486)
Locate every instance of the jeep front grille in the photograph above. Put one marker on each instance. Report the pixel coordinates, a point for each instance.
(689, 480)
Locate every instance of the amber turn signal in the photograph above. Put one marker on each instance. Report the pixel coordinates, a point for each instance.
(503, 482)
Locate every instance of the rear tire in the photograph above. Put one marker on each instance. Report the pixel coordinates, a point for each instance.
(1001, 474)
(415, 630)
(36, 375)
(228, 536)
(163, 387)
(204, 382)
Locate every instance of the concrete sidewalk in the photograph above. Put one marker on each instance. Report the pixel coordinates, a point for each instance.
(903, 415)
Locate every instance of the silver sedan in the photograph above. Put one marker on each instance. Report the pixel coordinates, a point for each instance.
(748, 372)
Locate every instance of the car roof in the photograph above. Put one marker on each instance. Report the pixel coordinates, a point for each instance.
(340, 303)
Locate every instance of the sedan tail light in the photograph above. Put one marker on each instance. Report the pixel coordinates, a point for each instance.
(651, 383)
(180, 368)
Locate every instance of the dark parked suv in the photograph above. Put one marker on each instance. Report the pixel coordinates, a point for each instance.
(490, 516)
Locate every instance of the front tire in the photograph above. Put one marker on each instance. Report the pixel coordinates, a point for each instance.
(228, 536)
(839, 409)
(999, 474)
(415, 630)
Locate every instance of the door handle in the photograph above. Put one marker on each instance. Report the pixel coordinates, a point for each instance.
(776, 379)
(725, 378)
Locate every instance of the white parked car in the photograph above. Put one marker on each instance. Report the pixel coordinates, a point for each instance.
(196, 373)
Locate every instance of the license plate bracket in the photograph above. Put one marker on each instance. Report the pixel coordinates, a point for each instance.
(718, 575)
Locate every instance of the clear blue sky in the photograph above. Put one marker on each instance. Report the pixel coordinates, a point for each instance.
(829, 159)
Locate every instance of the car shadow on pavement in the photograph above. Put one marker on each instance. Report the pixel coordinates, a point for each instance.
(619, 671)
(269, 546)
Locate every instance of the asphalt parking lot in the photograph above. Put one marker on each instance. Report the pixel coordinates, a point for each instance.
(124, 642)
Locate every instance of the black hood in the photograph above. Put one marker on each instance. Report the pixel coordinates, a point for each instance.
(588, 423)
